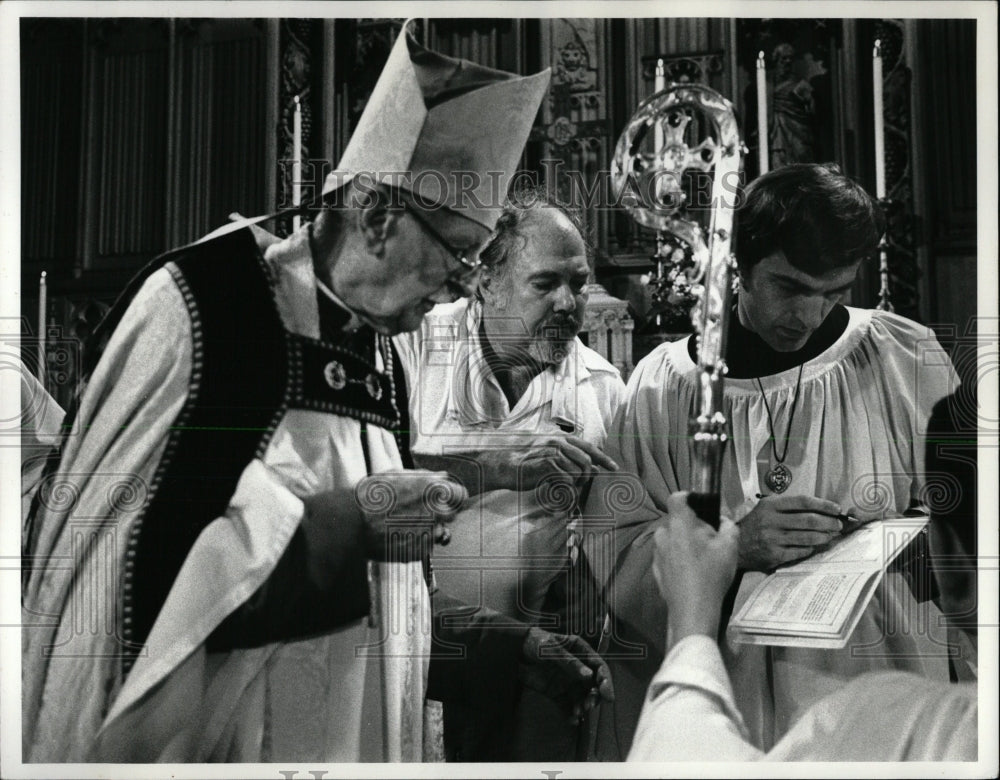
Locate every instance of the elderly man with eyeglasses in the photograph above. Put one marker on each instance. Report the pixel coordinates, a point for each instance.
(243, 530)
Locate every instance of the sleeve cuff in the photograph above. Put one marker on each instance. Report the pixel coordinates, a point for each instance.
(695, 662)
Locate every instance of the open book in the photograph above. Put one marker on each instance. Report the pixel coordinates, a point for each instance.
(817, 602)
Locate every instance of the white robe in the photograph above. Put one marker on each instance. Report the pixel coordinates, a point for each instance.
(857, 439)
(41, 421)
(353, 694)
(690, 715)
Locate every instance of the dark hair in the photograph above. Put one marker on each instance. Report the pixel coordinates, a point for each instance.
(508, 235)
(819, 218)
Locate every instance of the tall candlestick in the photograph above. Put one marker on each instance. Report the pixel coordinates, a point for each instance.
(762, 156)
(43, 300)
(297, 160)
(879, 121)
(659, 84)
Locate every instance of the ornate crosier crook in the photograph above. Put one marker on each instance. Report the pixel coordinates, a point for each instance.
(679, 112)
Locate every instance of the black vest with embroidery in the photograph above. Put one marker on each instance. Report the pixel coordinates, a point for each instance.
(247, 372)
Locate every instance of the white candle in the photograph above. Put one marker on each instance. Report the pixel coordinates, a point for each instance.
(297, 160)
(659, 84)
(43, 300)
(762, 156)
(879, 121)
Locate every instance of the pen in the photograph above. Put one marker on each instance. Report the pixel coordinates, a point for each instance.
(847, 521)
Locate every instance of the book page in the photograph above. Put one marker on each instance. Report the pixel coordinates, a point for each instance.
(802, 603)
(819, 596)
(870, 548)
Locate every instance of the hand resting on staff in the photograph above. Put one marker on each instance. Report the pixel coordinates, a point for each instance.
(693, 565)
(565, 669)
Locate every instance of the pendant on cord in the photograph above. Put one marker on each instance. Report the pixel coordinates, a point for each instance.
(779, 478)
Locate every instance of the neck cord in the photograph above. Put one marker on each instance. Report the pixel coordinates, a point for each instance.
(791, 417)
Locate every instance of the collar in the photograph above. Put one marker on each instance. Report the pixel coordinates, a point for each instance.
(475, 397)
(298, 290)
(748, 355)
(342, 315)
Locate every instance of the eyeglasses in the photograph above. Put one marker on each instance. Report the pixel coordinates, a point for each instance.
(460, 281)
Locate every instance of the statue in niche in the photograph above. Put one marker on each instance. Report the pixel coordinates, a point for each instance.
(792, 127)
(573, 70)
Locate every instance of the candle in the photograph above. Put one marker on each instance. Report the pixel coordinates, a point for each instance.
(296, 160)
(659, 84)
(762, 156)
(42, 315)
(879, 121)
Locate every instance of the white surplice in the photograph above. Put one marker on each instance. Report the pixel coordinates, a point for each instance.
(351, 694)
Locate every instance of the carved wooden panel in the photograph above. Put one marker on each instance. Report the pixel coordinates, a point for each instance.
(945, 104)
(126, 143)
(949, 51)
(176, 134)
(693, 50)
(357, 49)
(220, 133)
(138, 134)
(51, 93)
(575, 129)
(496, 43)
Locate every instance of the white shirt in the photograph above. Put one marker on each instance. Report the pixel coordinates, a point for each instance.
(456, 402)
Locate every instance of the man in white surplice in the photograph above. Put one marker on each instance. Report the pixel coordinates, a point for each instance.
(827, 405)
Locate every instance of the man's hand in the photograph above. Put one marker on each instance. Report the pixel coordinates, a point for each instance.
(568, 457)
(522, 468)
(694, 566)
(566, 669)
(781, 529)
(403, 510)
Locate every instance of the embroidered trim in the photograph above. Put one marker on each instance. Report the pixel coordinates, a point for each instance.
(294, 378)
(359, 390)
(194, 388)
(176, 511)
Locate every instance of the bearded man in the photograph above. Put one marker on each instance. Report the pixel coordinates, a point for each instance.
(506, 398)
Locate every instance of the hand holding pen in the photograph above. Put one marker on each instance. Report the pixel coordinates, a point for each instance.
(848, 522)
(785, 528)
